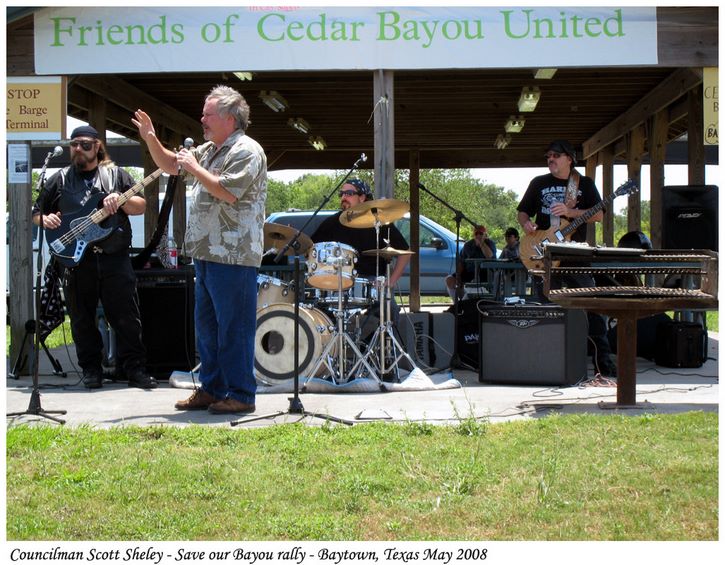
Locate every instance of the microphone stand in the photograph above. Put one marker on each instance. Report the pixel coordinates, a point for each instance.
(295, 406)
(458, 216)
(34, 407)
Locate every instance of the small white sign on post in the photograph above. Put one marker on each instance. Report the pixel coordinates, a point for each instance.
(19, 163)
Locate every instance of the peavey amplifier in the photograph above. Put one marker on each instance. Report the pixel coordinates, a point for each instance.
(532, 344)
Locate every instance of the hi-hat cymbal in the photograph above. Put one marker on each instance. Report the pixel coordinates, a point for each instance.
(388, 252)
(277, 236)
(363, 215)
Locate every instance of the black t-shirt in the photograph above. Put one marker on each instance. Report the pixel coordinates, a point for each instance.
(69, 190)
(545, 190)
(361, 239)
(472, 251)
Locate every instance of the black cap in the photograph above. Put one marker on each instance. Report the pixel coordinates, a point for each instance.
(84, 131)
(562, 146)
(363, 188)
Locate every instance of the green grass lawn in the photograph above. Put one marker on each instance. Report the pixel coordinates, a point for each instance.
(580, 477)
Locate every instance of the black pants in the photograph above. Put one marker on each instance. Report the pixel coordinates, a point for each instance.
(110, 279)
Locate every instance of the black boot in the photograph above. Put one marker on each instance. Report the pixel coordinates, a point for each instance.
(92, 378)
(141, 379)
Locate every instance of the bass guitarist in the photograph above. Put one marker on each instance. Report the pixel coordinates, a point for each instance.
(104, 271)
(564, 194)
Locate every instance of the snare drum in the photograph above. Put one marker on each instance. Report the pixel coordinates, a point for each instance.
(274, 342)
(273, 291)
(362, 293)
(329, 260)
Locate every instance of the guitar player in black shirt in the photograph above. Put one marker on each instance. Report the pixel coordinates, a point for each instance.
(98, 266)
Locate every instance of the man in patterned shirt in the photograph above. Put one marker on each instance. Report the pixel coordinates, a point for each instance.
(225, 238)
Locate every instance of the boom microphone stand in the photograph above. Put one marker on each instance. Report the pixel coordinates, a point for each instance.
(295, 406)
(458, 216)
(34, 407)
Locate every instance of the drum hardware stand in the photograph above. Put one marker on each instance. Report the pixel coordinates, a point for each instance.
(34, 407)
(458, 216)
(384, 332)
(341, 338)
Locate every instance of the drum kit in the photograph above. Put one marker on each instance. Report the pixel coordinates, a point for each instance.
(336, 308)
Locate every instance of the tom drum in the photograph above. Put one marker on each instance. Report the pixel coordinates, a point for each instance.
(329, 260)
(273, 291)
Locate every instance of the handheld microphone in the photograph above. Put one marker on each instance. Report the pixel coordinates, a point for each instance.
(188, 144)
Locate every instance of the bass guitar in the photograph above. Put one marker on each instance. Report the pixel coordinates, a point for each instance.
(532, 245)
(69, 241)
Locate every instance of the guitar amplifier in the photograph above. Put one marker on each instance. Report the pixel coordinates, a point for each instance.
(166, 302)
(532, 344)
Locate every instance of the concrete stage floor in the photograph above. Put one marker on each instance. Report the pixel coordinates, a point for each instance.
(659, 390)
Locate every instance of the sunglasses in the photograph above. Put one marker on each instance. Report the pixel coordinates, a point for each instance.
(552, 155)
(348, 193)
(86, 145)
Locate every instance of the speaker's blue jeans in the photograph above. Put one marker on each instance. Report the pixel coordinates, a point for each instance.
(226, 318)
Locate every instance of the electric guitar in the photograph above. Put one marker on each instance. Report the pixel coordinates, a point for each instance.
(532, 245)
(87, 225)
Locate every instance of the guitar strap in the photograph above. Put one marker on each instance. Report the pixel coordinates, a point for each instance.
(572, 189)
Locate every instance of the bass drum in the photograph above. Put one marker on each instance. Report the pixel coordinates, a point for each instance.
(274, 342)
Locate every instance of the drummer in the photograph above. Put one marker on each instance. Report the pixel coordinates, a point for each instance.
(352, 193)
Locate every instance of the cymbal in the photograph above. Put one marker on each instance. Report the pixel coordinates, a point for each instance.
(277, 236)
(363, 215)
(388, 252)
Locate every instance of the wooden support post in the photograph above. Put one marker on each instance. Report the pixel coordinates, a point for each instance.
(695, 137)
(657, 146)
(20, 256)
(607, 159)
(635, 151)
(384, 116)
(151, 194)
(414, 231)
(591, 172)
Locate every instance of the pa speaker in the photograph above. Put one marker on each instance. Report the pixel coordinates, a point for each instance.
(532, 344)
(166, 302)
(689, 217)
(468, 329)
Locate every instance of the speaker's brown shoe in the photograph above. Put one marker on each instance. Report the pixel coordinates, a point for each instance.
(199, 400)
(231, 406)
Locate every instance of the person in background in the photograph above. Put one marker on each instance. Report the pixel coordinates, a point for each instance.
(480, 247)
(104, 271)
(225, 239)
(511, 250)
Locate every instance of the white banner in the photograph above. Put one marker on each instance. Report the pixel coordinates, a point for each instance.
(78, 40)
